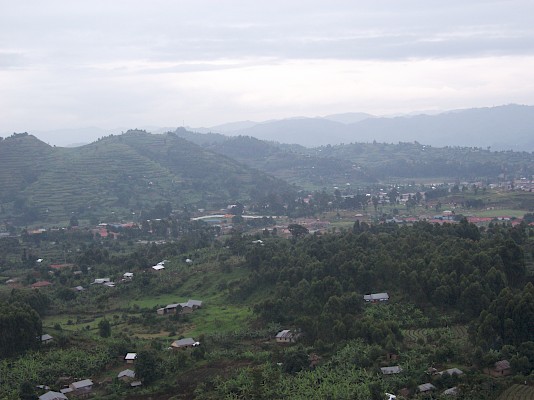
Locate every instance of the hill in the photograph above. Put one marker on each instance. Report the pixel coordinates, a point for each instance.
(507, 127)
(122, 174)
(367, 163)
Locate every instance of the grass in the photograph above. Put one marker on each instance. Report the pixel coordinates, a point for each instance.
(501, 213)
(215, 319)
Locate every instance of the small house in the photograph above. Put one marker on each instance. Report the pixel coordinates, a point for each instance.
(286, 336)
(391, 370)
(158, 267)
(126, 375)
(136, 384)
(190, 306)
(453, 391)
(452, 371)
(41, 284)
(376, 297)
(101, 281)
(128, 275)
(501, 368)
(130, 358)
(184, 343)
(82, 388)
(46, 339)
(426, 387)
(51, 395)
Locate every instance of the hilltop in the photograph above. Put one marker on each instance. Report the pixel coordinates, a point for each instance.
(123, 174)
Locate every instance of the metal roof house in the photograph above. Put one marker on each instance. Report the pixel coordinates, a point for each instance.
(376, 297)
(81, 388)
(451, 371)
(126, 374)
(286, 336)
(426, 387)
(391, 370)
(184, 343)
(130, 357)
(46, 338)
(51, 395)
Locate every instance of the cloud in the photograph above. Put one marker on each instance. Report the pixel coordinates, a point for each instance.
(118, 63)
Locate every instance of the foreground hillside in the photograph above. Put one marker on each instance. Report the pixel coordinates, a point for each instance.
(122, 174)
(456, 312)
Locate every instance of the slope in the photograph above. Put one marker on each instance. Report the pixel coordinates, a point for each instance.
(118, 175)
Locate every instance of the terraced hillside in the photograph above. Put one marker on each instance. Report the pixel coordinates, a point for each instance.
(125, 173)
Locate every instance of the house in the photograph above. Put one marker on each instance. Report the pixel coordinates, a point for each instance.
(184, 343)
(426, 387)
(81, 388)
(53, 396)
(391, 370)
(100, 281)
(41, 284)
(453, 391)
(130, 358)
(452, 371)
(194, 304)
(79, 288)
(46, 338)
(183, 308)
(286, 336)
(126, 375)
(136, 383)
(128, 275)
(168, 309)
(158, 267)
(58, 267)
(376, 297)
(501, 368)
(190, 306)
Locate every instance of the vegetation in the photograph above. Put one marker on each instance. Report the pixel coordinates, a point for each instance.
(460, 295)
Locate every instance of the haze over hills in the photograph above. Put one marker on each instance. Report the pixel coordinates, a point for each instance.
(509, 127)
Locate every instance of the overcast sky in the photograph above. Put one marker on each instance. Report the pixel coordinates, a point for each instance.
(114, 63)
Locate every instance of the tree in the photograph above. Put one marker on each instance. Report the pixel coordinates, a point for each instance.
(73, 221)
(297, 230)
(104, 328)
(295, 360)
(20, 329)
(147, 366)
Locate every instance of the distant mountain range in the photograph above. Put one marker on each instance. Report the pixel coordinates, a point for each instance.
(509, 127)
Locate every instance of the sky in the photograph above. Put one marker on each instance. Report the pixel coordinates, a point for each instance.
(108, 64)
